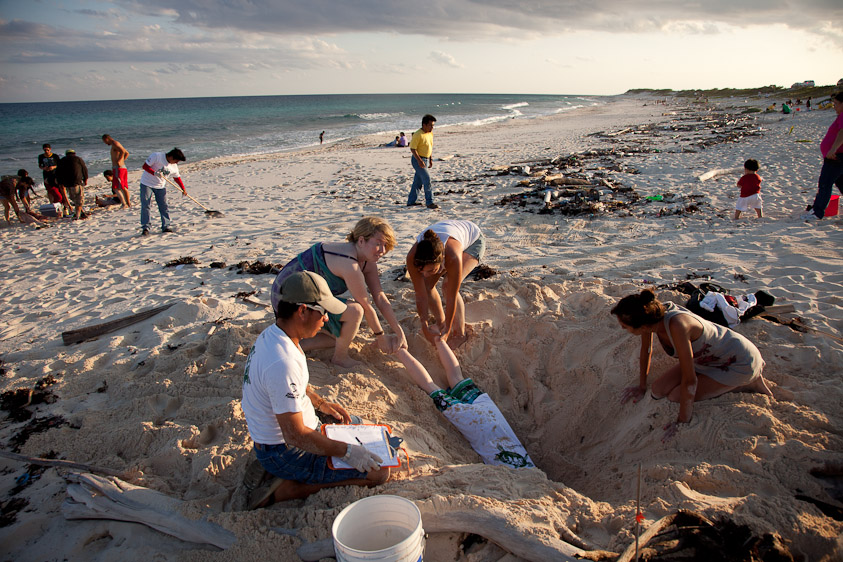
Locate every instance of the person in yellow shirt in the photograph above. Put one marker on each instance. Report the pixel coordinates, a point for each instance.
(421, 146)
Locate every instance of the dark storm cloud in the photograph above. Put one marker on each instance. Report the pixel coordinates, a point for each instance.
(19, 30)
(467, 19)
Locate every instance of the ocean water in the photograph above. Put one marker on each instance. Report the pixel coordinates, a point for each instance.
(211, 127)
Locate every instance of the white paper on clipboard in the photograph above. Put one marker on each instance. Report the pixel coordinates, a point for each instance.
(373, 437)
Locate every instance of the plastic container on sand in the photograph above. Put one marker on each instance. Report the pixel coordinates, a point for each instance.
(380, 528)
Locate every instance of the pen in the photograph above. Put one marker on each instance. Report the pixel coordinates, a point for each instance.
(358, 440)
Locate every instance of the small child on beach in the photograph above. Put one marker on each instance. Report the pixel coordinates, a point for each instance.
(750, 184)
(471, 410)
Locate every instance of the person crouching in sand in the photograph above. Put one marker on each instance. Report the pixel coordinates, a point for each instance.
(471, 410)
(280, 405)
(713, 359)
(351, 266)
(451, 248)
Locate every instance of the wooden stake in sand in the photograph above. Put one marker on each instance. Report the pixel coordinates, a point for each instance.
(90, 332)
(638, 515)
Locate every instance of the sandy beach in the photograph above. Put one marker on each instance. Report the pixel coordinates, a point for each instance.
(159, 401)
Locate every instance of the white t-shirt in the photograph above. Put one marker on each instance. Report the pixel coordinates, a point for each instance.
(157, 161)
(464, 232)
(275, 382)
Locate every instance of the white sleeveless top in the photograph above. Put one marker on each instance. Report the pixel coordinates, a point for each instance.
(464, 232)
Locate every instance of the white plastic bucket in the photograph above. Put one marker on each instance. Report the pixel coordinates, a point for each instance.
(383, 528)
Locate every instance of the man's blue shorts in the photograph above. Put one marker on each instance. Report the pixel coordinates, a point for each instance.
(292, 463)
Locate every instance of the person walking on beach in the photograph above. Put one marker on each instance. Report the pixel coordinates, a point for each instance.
(321, 137)
(421, 147)
(120, 179)
(72, 175)
(713, 359)
(280, 405)
(831, 173)
(750, 184)
(48, 161)
(156, 169)
(451, 248)
(350, 266)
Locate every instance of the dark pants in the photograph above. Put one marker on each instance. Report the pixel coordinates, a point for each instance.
(831, 174)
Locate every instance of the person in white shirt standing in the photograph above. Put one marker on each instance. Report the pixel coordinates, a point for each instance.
(280, 406)
(156, 168)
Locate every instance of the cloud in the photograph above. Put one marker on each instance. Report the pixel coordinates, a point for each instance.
(19, 30)
(30, 43)
(477, 19)
(242, 36)
(444, 59)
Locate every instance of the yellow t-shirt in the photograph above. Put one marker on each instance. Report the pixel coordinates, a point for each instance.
(423, 143)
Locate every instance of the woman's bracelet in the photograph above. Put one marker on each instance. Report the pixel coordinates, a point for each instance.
(376, 334)
(319, 405)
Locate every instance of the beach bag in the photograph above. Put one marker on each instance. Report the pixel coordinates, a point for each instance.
(696, 297)
(698, 294)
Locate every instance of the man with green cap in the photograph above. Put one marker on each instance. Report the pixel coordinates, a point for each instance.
(280, 406)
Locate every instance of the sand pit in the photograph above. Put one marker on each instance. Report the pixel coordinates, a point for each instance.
(160, 399)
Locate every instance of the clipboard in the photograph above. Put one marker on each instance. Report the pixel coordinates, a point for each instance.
(373, 436)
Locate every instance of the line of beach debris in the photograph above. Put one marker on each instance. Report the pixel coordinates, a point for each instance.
(590, 182)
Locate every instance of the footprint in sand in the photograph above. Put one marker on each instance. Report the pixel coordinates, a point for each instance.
(205, 437)
(164, 407)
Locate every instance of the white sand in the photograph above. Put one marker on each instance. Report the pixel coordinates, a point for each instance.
(544, 344)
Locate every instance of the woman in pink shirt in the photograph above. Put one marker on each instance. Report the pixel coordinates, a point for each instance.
(831, 148)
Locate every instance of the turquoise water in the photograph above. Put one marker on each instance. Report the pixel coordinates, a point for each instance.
(211, 127)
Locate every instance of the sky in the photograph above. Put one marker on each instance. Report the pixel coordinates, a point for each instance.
(53, 50)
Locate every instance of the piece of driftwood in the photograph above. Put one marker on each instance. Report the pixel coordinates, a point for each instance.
(57, 463)
(465, 514)
(712, 174)
(90, 332)
(780, 308)
(444, 517)
(560, 179)
(646, 536)
(95, 497)
(254, 302)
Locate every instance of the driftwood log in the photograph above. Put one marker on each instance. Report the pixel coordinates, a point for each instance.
(713, 174)
(441, 517)
(90, 332)
(560, 179)
(95, 497)
(646, 536)
(57, 463)
(461, 515)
